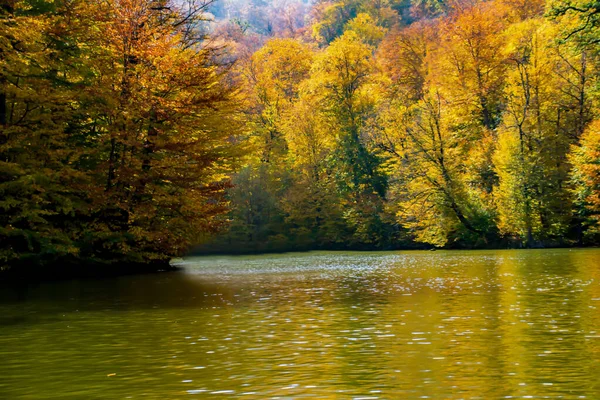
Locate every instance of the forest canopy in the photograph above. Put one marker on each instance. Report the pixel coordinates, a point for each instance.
(133, 130)
(118, 131)
(398, 124)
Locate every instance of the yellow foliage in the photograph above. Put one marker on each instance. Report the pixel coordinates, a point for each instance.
(367, 29)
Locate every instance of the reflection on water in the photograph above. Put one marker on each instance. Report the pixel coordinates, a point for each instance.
(440, 325)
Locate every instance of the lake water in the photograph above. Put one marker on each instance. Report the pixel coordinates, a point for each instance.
(324, 325)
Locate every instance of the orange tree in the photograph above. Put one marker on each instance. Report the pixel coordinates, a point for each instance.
(118, 133)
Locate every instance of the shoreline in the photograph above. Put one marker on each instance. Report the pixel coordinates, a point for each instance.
(82, 271)
(91, 271)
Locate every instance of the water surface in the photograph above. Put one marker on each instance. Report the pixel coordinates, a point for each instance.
(324, 325)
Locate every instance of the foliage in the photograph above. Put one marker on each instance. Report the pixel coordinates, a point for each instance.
(129, 133)
(585, 176)
(116, 134)
(446, 123)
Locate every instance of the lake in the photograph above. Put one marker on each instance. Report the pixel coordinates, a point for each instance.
(323, 325)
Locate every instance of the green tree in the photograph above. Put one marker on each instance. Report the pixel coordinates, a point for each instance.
(41, 188)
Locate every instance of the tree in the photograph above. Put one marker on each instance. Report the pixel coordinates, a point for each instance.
(41, 188)
(470, 66)
(581, 18)
(272, 83)
(402, 56)
(332, 18)
(427, 8)
(585, 177)
(433, 201)
(120, 132)
(547, 106)
(367, 29)
(342, 81)
(165, 135)
(274, 76)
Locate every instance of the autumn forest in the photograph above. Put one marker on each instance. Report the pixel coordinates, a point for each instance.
(132, 131)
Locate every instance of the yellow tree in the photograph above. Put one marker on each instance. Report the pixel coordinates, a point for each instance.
(433, 200)
(309, 141)
(547, 106)
(342, 81)
(163, 121)
(272, 79)
(274, 76)
(346, 86)
(313, 210)
(367, 29)
(332, 18)
(402, 56)
(444, 92)
(469, 66)
(458, 61)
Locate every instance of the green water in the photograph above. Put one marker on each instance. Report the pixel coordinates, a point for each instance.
(403, 325)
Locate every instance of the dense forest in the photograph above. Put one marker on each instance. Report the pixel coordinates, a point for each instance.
(119, 132)
(397, 124)
(132, 130)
